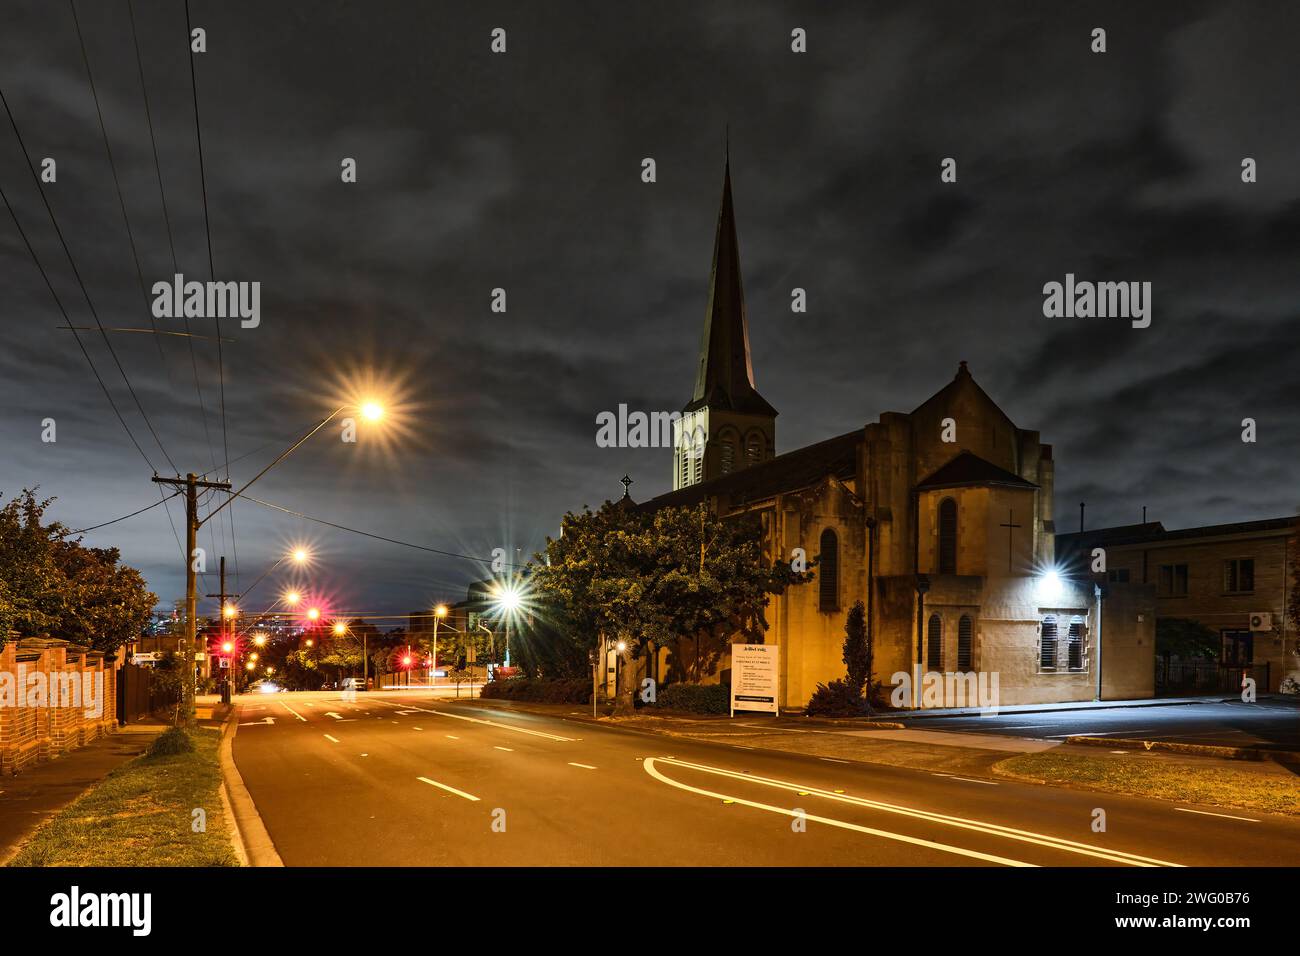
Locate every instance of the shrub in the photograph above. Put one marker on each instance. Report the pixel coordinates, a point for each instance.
(695, 698)
(171, 741)
(544, 690)
(836, 699)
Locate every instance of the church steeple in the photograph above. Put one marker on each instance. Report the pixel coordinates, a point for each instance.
(725, 377)
(726, 425)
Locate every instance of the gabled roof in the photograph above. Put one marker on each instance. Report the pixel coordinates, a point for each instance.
(795, 470)
(963, 381)
(971, 469)
(725, 379)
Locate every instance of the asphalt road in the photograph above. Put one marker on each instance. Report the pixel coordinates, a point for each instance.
(1270, 724)
(391, 780)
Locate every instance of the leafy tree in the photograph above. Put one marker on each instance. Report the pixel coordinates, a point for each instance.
(857, 649)
(654, 579)
(1185, 639)
(52, 585)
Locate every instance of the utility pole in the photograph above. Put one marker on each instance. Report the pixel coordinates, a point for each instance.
(191, 483)
(227, 633)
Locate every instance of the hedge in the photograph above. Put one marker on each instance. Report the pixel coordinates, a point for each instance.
(544, 690)
(695, 698)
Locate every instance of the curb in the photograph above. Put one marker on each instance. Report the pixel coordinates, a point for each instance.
(252, 843)
(1203, 750)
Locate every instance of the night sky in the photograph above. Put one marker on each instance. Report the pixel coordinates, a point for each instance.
(522, 171)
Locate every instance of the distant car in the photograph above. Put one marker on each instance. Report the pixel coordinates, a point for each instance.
(354, 684)
(264, 687)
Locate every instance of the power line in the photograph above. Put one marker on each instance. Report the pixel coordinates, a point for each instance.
(121, 200)
(59, 302)
(377, 537)
(171, 243)
(77, 274)
(105, 524)
(207, 229)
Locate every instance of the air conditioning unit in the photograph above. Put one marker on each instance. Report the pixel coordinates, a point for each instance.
(1261, 621)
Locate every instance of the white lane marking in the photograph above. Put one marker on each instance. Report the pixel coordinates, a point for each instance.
(335, 715)
(417, 728)
(987, 783)
(584, 766)
(451, 736)
(506, 749)
(834, 760)
(995, 829)
(404, 712)
(1207, 813)
(459, 793)
(328, 737)
(649, 764)
(493, 723)
(290, 710)
(259, 723)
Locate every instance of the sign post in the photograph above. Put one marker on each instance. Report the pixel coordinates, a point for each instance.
(754, 670)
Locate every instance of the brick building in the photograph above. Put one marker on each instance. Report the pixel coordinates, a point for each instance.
(1236, 579)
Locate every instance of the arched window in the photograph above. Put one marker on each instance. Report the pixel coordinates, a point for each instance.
(934, 644)
(964, 639)
(1074, 644)
(829, 568)
(727, 455)
(947, 536)
(755, 444)
(1047, 648)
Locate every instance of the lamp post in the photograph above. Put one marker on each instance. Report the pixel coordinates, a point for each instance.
(439, 613)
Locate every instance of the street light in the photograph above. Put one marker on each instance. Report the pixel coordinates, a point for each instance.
(313, 613)
(293, 597)
(259, 640)
(439, 613)
(340, 628)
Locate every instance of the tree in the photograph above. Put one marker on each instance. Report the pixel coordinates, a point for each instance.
(1185, 639)
(857, 649)
(52, 585)
(654, 579)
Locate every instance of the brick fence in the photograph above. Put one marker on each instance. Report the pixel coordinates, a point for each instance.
(43, 704)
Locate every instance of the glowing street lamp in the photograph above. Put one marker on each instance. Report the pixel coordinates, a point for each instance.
(227, 647)
(301, 556)
(229, 610)
(310, 642)
(340, 628)
(313, 613)
(259, 640)
(293, 597)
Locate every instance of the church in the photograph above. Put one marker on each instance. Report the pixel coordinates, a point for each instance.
(939, 520)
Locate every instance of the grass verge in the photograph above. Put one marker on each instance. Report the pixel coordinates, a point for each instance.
(1224, 785)
(142, 814)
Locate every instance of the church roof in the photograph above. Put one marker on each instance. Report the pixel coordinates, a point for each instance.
(792, 471)
(971, 469)
(725, 379)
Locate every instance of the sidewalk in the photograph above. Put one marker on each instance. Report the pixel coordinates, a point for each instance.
(1064, 707)
(33, 796)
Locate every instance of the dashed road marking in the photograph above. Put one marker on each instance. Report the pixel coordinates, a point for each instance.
(1207, 813)
(443, 786)
(584, 766)
(329, 737)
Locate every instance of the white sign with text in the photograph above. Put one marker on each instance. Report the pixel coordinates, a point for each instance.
(754, 670)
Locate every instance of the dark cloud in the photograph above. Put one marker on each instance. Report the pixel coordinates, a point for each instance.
(522, 172)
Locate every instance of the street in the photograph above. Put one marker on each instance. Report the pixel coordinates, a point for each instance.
(399, 779)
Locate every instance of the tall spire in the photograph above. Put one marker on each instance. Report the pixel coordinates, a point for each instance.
(725, 379)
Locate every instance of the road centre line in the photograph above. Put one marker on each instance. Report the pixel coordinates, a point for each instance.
(649, 763)
(506, 749)
(994, 829)
(493, 723)
(584, 766)
(459, 793)
(987, 783)
(329, 737)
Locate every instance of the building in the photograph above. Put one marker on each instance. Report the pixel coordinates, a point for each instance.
(938, 519)
(1236, 579)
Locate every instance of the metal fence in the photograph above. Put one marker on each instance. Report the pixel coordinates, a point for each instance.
(1177, 678)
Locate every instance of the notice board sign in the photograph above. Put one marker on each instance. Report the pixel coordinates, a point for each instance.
(754, 677)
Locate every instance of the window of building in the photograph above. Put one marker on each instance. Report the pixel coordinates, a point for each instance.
(934, 644)
(727, 456)
(1173, 580)
(1074, 643)
(1047, 644)
(965, 634)
(1239, 575)
(754, 449)
(829, 570)
(947, 536)
(1118, 576)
